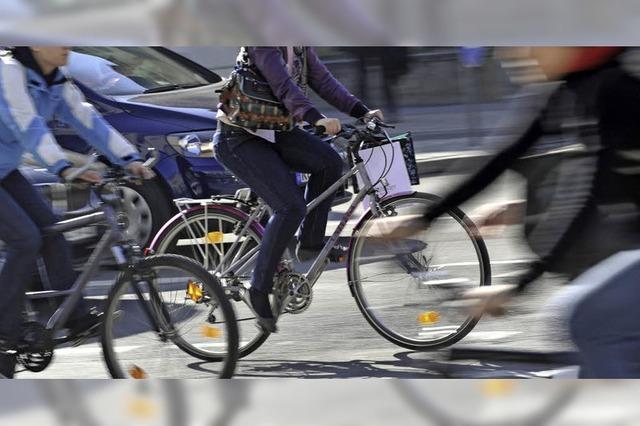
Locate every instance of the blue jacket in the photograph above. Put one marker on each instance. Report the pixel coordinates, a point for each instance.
(27, 102)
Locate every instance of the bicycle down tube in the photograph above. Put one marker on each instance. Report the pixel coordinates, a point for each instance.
(74, 294)
(317, 267)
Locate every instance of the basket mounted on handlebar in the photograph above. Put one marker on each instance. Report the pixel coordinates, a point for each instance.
(374, 135)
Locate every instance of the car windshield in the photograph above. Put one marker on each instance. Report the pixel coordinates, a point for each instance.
(114, 71)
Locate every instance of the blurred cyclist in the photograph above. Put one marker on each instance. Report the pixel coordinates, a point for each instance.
(591, 205)
(33, 89)
(264, 159)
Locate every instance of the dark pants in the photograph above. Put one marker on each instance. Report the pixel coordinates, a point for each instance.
(23, 213)
(266, 168)
(605, 319)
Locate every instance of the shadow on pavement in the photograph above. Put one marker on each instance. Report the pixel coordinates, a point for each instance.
(403, 367)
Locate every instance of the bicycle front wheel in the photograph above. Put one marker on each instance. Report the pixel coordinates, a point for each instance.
(166, 311)
(404, 287)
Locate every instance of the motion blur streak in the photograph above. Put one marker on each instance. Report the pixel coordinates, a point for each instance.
(318, 402)
(327, 22)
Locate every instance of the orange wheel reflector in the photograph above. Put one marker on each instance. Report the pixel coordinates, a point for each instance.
(137, 373)
(194, 291)
(142, 409)
(215, 237)
(211, 332)
(497, 388)
(428, 318)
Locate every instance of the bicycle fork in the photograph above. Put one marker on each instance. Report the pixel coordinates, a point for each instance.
(155, 311)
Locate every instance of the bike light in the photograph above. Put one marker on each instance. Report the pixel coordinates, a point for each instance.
(194, 144)
(428, 318)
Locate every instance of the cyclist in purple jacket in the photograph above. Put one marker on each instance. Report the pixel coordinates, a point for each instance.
(263, 159)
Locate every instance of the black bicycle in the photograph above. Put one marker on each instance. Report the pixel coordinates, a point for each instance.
(162, 310)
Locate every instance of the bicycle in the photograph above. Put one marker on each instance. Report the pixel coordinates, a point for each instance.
(399, 286)
(137, 305)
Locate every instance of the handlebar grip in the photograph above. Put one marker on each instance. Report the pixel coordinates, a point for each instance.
(153, 158)
(76, 172)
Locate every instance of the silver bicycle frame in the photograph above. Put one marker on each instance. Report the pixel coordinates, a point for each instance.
(73, 295)
(314, 272)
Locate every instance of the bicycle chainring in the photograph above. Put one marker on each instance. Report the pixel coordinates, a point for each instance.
(35, 349)
(294, 289)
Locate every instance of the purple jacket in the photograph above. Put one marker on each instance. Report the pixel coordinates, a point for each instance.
(271, 62)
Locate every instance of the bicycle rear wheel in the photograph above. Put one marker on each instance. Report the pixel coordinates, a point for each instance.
(166, 311)
(404, 287)
(207, 236)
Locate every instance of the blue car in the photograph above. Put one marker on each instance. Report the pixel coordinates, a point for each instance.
(157, 99)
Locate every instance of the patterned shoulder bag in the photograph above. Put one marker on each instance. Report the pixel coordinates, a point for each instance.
(248, 100)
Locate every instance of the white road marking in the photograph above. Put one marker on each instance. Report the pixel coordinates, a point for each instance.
(491, 335)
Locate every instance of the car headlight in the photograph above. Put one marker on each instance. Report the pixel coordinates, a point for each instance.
(193, 144)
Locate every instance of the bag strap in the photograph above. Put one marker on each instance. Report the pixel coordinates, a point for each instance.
(305, 71)
(290, 55)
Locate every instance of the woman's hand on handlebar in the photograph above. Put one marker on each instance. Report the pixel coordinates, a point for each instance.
(374, 113)
(88, 176)
(331, 126)
(138, 169)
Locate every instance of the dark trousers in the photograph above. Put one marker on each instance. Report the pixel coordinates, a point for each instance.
(605, 320)
(266, 168)
(23, 213)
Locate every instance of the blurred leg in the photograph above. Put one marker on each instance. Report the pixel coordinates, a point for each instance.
(256, 162)
(605, 323)
(22, 244)
(55, 249)
(307, 153)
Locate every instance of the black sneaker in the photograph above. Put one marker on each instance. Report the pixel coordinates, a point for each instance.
(87, 325)
(262, 308)
(7, 360)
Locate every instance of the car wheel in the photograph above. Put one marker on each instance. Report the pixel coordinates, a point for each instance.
(145, 209)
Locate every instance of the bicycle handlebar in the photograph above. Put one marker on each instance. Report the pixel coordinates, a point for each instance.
(349, 130)
(151, 161)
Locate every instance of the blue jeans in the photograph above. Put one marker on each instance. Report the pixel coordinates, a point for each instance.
(266, 168)
(604, 319)
(23, 213)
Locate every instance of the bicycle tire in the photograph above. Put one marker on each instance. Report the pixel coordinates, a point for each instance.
(361, 300)
(210, 286)
(164, 242)
(426, 398)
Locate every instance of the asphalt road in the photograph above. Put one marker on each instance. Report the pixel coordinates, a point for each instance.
(332, 339)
